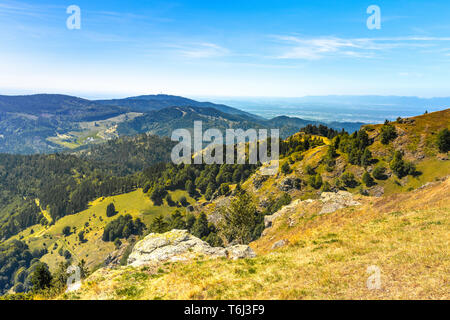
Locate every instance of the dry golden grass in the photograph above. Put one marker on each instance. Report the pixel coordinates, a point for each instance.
(405, 235)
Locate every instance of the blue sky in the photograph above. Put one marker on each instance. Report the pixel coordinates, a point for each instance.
(225, 48)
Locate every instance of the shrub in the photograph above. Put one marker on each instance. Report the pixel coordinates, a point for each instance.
(285, 168)
(41, 277)
(117, 243)
(388, 133)
(123, 227)
(400, 167)
(310, 170)
(111, 210)
(239, 219)
(158, 195)
(66, 231)
(443, 140)
(367, 179)
(379, 173)
(316, 181)
(348, 179)
(81, 236)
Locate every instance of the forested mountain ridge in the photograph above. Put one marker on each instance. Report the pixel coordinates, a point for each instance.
(148, 103)
(46, 123)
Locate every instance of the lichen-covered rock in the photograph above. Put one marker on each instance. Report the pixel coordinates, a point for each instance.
(280, 244)
(290, 208)
(335, 201)
(240, 252)
(179, 245)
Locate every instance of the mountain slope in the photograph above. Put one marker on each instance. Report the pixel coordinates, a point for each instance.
(48, 123)
(329, 197)
(327, 257)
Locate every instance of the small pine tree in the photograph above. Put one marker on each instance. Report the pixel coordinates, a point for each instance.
(367, 179)
(200, 228)
(238, 220)
(443, 140)
(41, 277)
(66, 231)
(158, 225)
(285, 168)
(379, 173)
(366, 158)
(111, 210)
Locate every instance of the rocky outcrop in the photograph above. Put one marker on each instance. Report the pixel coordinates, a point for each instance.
(290, 208)
(335, 201)
(280, 244)
(113, 259)
(179, 245)
(289, 184)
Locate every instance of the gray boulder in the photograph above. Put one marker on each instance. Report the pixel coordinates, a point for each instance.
(179, 245)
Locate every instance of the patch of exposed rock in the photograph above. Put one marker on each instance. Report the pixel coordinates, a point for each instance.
(258, 181)
(113, 259)
(377, 191)
(280, 244)
(335, 201)
(179, 245)
(289, 184)
(289, 209)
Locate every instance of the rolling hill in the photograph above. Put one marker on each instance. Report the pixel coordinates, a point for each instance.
(47, 123)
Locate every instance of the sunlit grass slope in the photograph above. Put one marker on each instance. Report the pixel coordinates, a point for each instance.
(405, 235)
(92, 221)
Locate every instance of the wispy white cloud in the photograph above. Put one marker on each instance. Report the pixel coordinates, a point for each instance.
(318, 48)
(202, 50)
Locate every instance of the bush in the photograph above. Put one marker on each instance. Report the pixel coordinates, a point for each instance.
(200, 228)
(123, 227)
(388, 133)
(41, 277)
(316, 181)
(400, 167)
(183, 201)
(348, 179)
(66, 231)
(117, 243)
(274, 206)
(81, 236)
(379, 173)
(111, 210)
(158, 195)
(239, 219)
(310, 170)
(285, 168)
(367, 179)
(443, 140)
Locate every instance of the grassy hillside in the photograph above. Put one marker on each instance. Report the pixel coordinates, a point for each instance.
(416, 138)
(394, 170)
(92, 221)
(405, 235)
